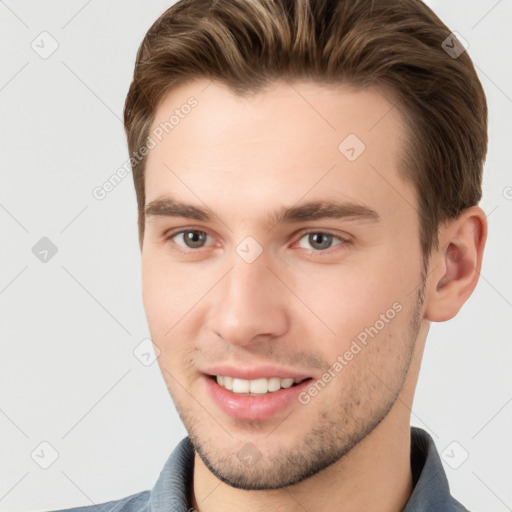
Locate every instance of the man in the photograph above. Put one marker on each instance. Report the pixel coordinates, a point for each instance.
(308, 176)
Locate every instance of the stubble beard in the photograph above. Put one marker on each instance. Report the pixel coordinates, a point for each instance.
(336, 432)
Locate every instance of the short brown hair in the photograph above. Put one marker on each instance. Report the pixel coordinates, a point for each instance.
(396, 44)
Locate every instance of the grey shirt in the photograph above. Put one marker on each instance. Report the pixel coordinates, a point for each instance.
(172, 490)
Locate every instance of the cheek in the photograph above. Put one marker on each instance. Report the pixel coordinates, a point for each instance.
(351, 297)
(170, 297)
(168, 291)
(154, 294)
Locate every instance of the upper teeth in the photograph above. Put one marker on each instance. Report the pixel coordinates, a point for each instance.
(258, 386)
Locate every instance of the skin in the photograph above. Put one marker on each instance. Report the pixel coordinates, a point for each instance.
(296, 304)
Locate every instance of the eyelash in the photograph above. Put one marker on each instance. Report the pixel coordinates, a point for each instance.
(342, 245)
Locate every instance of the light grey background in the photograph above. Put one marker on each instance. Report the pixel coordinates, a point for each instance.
(68, 373)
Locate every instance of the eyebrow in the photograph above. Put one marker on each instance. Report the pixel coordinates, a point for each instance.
(314, 210)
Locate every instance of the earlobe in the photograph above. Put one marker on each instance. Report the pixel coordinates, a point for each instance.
(456, 264)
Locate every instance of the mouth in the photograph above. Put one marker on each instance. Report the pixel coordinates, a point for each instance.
(256, 387)
(257, 399)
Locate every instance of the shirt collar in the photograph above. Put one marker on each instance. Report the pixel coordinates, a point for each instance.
(171, 491)
(431, 490)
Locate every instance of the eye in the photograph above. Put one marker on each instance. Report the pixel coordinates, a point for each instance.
(321, 241)
(192, 238)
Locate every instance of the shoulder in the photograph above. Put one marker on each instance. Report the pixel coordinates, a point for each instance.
(134, 503)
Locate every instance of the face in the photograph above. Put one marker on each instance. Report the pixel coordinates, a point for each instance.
(281, 246)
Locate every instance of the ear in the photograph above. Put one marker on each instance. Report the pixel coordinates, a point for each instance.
(456, 264)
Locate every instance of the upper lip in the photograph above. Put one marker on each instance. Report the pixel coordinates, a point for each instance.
(256, 372)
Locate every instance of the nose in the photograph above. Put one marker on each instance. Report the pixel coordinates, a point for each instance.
(251, 303)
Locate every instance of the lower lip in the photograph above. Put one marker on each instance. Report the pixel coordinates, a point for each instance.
(254, 408)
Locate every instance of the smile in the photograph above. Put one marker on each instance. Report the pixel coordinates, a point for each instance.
(254, 387)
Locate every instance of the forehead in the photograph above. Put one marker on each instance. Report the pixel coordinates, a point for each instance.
(283, 143)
